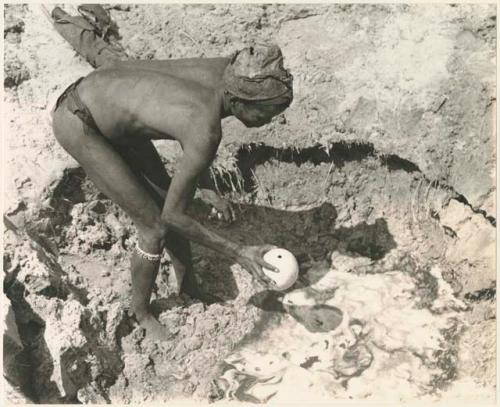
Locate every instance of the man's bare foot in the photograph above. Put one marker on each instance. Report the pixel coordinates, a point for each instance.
(154, 329)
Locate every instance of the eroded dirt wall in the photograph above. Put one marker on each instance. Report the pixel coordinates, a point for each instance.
(414, 81)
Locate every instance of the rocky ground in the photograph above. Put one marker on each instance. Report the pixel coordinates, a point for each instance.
(379, 178)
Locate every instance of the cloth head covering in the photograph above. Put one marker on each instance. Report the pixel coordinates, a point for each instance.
(257, 73)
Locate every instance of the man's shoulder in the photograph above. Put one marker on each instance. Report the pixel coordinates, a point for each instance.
(159, 87)
(204, 71)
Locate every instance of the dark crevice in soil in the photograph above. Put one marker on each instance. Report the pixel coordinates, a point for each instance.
(484, 294)
(394, 163)
(339, 153)
(74, 362)
(37, 383)
(125, 328)
(18, 367)
(463, 200)
(109, 357)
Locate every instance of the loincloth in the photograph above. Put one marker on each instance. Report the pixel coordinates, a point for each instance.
(76, 106)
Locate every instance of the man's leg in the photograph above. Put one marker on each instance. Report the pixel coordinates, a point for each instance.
(143, 159)
(146, 162)
(113, 176)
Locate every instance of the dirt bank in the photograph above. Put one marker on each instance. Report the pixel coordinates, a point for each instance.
(379, 178)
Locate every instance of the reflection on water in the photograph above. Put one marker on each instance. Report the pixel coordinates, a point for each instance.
(316, 317)
(345, 336)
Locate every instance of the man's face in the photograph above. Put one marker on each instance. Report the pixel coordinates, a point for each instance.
(256, 114)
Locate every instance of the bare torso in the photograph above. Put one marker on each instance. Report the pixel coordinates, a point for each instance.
(133, 100)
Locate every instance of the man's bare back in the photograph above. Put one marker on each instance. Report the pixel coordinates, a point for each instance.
(129, 100)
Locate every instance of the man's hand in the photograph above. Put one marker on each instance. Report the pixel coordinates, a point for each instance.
(251, 258)
(221, 208)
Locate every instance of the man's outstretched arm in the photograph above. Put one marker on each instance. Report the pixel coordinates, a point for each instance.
(174, 214)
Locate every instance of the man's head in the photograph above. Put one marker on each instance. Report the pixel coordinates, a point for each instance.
(258, 85)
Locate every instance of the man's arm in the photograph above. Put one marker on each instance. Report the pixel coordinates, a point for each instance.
(197, 159)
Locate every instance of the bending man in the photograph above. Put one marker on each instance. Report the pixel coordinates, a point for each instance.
(107, 122)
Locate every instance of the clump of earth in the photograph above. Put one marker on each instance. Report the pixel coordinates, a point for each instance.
(379, 178)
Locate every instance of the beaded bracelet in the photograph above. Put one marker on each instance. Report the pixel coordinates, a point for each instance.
(146, 255)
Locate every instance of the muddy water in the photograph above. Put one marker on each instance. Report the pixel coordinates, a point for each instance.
(366, 319)
(348, 335)
(370, 317)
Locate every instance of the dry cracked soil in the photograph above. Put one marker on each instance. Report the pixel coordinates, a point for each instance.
(379, 178)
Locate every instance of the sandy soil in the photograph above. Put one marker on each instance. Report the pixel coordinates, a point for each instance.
(379, 178)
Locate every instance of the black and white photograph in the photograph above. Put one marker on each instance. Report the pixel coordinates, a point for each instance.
(249, 203)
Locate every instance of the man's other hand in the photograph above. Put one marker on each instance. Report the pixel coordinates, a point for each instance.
(221, 208)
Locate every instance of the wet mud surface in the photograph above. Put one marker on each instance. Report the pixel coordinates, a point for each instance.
(393, 229)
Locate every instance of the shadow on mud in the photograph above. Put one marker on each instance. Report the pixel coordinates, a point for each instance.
(309, 234)
(250, 156)
(37, 361)
(315, 318)
(36, 373)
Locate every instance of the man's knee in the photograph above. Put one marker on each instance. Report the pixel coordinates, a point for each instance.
(152, 236)
(156, 234)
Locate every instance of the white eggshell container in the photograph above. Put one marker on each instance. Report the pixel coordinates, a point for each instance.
(286, 263)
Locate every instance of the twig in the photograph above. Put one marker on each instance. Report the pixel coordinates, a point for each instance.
(441, 105)
(414, 202)
(260, 186)
(194, 42)
(327, 175)
(212, 173)
(426, 198)
(46, 12)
